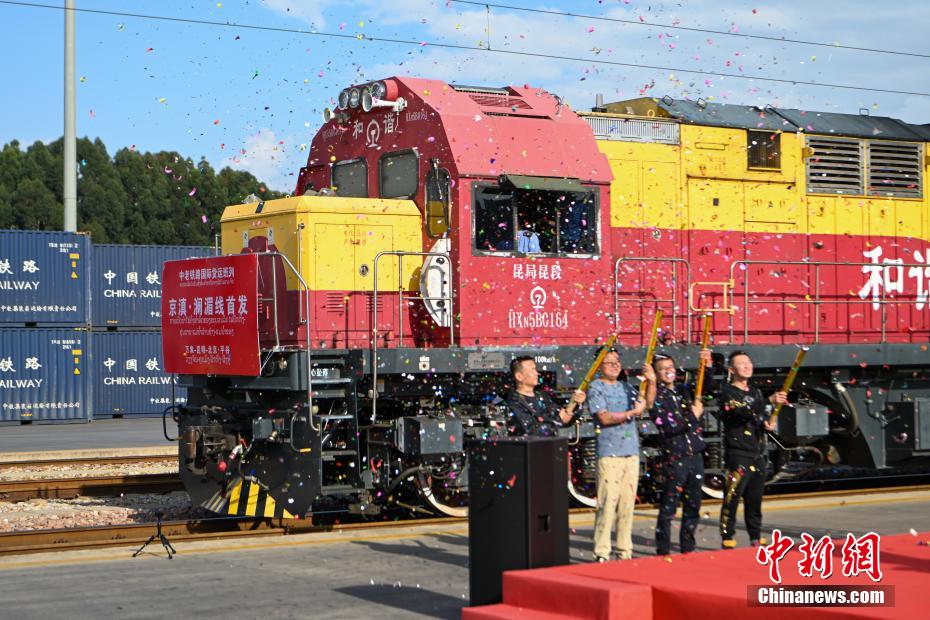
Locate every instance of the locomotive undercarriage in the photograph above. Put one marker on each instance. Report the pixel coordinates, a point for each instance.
(258, 446)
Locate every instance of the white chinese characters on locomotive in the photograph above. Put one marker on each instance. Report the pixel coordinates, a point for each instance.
(438, 231)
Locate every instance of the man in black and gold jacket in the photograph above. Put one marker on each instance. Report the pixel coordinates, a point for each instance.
(533, 413)
(678, 419)
(744, 413)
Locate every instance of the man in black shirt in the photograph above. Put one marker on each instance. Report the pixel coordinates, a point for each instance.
(531, 412)
(744, 413)
(678, 418)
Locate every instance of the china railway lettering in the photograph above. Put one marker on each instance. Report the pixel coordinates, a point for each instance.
(124, 293)
(19, 285)
(21, 383)
(137, 381)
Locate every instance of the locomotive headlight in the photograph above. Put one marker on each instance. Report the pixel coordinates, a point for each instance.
(367, 101)
(354, 97)
(344, 99)
(378, 90)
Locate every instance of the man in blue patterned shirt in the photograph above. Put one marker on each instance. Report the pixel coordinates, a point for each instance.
(615, 406)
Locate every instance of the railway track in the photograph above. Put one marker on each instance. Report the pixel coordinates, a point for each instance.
(68, 486)
(72, 539)
(92, 486)
(87, 461)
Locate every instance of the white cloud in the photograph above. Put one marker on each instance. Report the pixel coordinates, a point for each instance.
(659, 46)
(517, 31)
(266, 157)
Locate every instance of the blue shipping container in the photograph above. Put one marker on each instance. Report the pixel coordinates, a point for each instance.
(44, 278)
(127, 282)
(129, 376)
(44, 375)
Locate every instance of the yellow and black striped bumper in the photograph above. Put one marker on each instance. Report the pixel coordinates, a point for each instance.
(247, 499)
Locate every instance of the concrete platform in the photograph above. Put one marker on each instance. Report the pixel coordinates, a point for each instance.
(407, 572)
(99, 434)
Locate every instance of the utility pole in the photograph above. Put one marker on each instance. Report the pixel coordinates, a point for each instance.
(70, 139)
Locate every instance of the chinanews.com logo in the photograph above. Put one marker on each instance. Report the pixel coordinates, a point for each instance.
(859, 555)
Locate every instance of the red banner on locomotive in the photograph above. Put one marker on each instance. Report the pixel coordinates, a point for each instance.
(210, 316)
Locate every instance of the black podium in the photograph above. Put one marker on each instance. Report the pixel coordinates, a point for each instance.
(518, 509)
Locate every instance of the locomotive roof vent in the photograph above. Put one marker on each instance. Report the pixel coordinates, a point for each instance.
(500, 101)
(481, 90)
(493, 97)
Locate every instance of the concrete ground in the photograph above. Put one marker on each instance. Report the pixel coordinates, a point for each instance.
(407, 572)
(108, 433)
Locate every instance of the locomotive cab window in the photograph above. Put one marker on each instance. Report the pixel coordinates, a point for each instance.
(437, 201)
(398, 174)
(763, 149)
(520, 221)
(350, 178)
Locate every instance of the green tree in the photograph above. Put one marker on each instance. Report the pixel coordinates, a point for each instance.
(159, 198)
(35, 207)
(101, 198)
(11, 166)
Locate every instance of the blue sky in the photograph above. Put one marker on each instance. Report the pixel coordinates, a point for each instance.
(253, 98)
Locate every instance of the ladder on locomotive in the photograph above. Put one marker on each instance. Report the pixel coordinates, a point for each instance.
(335, 391)
(330, 380)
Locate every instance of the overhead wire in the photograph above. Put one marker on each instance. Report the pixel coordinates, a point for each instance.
(525, 54)
(637, 22)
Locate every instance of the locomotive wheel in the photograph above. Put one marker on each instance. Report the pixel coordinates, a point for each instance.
(442, 501)
(582, 498)
(581, 489)
(713, 485)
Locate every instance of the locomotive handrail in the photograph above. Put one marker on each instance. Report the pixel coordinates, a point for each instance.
(300, 255)
(642, 302)
(816, 301)
(400, 313)
(303, 283)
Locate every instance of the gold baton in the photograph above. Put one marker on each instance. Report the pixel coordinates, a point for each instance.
(798, 360)
(572, 405)
(650, 352)
(705, 340)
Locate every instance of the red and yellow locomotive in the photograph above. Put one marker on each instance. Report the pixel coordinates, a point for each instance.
(438, 230)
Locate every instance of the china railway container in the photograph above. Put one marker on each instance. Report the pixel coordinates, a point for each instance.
(129, 375)
(126, 283)
(44, 278)
(44, 376)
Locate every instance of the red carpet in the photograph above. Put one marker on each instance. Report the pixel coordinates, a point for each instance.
(709, 584)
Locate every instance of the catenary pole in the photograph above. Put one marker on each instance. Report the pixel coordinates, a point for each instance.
(70, 139)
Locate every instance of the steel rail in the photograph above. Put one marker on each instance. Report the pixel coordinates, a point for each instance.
(69, 488)
(92, 461)
(73, 539)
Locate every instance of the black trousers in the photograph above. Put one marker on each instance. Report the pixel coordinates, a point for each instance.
(743, 480)
(683, 478)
